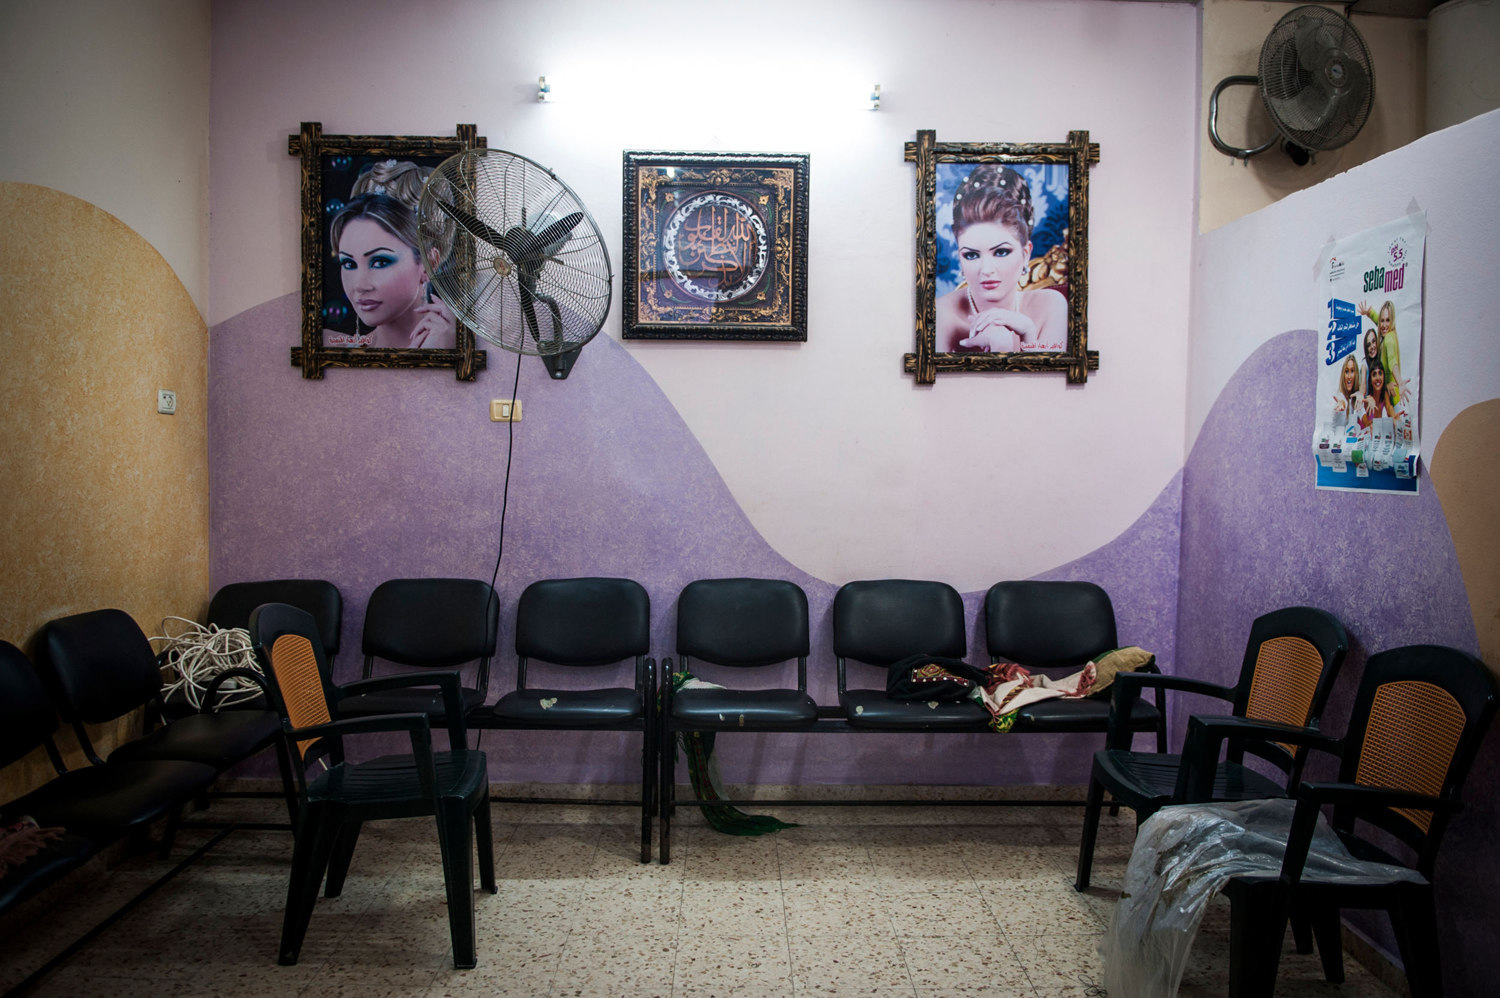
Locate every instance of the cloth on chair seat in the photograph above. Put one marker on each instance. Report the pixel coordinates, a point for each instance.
(575, 708)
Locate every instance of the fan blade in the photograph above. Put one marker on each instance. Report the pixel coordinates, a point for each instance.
(470, 224)
(559, 231)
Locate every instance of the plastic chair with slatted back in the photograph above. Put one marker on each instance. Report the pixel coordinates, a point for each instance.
(333, 804)
(1290, 662)
(1419, 716)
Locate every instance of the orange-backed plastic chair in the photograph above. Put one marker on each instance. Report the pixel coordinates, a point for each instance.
(334, 803)
(1419, 716)
(1290, 662)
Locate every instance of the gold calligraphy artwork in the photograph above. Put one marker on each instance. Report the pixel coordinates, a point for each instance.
(716, 246)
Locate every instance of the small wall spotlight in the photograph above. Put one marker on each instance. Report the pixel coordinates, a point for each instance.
(543, 89)
(875, 97)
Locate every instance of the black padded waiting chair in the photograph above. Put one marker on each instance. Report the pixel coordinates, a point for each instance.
(96, 803)
(230, 607)
(100, 667)
(734, 624)
(426, 624)
(1419, 717)
(1291, 659)
(1056, 628)
(880, 622)
(333, 803)
(586, 624)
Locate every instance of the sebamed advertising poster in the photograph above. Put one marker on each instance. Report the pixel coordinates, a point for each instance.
(1369, 360)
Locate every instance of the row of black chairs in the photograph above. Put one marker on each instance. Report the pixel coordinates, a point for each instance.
(724, 625)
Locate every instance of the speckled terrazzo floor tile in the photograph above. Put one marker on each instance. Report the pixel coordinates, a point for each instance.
(1060, 960)
(350, 981)
(539, 907)
(616, 963)
(918, 868)
(937, 913)
(963, 960)
(832, 963)
(612, 907)
(730, 989)
(815, 908)
(1043, 910)
(820, 863)
(733, 963)
(742, 910)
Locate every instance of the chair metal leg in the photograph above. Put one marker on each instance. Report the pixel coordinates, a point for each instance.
(666, 790)
(648, 765)
(485, 841)
(458, 880)
(1090, 832)
(310, 852)
(340, 857)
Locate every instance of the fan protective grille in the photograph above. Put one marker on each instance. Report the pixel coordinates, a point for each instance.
(522, 262)
(1315, 78)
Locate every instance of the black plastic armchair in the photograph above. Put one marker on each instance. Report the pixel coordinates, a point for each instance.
(1419, 716)
(452, 785)
(1290, 662)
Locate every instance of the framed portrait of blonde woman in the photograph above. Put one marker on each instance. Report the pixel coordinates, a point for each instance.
(367, 297)
(1002, 257)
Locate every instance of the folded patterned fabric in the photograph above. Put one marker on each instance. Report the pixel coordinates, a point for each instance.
(933, 677)
(1012, 687)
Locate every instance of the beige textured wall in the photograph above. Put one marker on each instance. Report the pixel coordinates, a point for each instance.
(108, 101)
(1233, 31)
(1467, 479)
(105, 501)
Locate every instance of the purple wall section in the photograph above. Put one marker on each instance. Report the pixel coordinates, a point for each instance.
(1256, 536)
(369, 475)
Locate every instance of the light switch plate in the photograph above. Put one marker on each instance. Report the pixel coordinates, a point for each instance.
(505, 411)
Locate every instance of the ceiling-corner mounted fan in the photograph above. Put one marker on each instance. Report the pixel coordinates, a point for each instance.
(521, 261)
(1316, 81)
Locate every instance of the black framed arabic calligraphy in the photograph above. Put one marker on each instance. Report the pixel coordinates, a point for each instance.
(715, 246)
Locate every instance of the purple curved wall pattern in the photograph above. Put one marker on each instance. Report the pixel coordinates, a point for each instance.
(1256, 535)
(370, 475)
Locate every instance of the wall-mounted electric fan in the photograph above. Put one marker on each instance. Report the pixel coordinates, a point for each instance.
(1316, 81)
(521, 261)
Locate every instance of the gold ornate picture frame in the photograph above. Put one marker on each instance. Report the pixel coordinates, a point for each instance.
(715, 246)
(1007, 291)
(336, 170)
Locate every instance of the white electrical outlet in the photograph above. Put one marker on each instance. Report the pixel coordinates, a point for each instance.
(166, 401)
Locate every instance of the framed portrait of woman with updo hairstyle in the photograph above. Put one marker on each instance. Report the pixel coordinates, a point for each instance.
(367, 295)
(1002, 257)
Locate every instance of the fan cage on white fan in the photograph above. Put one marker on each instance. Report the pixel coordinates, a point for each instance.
(521, 260)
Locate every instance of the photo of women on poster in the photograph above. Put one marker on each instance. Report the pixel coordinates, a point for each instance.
(1367, 436)
(1002, 267)
(382, 297)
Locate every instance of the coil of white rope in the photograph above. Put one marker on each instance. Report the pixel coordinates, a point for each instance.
(195, 654)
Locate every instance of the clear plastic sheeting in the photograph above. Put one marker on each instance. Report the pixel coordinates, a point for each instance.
(1183, 856)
